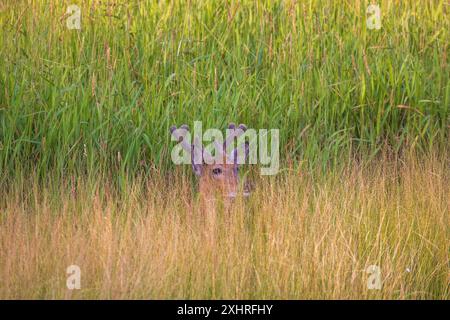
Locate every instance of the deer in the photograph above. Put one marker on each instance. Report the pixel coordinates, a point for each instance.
(218, 181)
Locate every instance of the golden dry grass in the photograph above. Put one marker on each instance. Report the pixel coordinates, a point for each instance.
(300, 236)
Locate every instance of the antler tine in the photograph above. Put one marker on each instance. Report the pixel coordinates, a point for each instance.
(174, 127)
(180, 137)
(233, 156)
(235, 134)
(205, 155)
(231, 126)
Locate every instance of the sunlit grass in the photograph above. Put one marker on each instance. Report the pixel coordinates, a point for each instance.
(298, 236)
(85, 170)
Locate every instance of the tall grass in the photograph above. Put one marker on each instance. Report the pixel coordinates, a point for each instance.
(299, 236)
(85, 170)
(102, 98)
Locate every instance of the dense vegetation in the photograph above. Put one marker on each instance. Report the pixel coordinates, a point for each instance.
(85, 171)
(102, 98)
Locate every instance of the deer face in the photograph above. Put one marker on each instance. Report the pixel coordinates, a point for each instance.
(221, 178)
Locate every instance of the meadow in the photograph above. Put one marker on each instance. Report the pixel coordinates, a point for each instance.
(86, 176)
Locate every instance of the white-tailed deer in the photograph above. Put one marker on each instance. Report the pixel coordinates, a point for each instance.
(218, 180)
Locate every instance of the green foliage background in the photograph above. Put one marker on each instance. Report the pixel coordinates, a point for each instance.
(102, 98)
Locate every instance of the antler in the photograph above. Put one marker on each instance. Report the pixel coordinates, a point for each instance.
(234, 154)
(196, 146)
(180, 136)
(235, 134)
(200, 154)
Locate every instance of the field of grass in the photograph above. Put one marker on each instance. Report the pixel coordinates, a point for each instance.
(299, 236)
(86, 176)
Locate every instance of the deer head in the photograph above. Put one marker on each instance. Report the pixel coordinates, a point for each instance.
(216, 178)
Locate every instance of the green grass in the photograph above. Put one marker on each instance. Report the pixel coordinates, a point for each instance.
(101, 99)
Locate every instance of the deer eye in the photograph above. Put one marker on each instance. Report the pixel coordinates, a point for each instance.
(217, 171)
